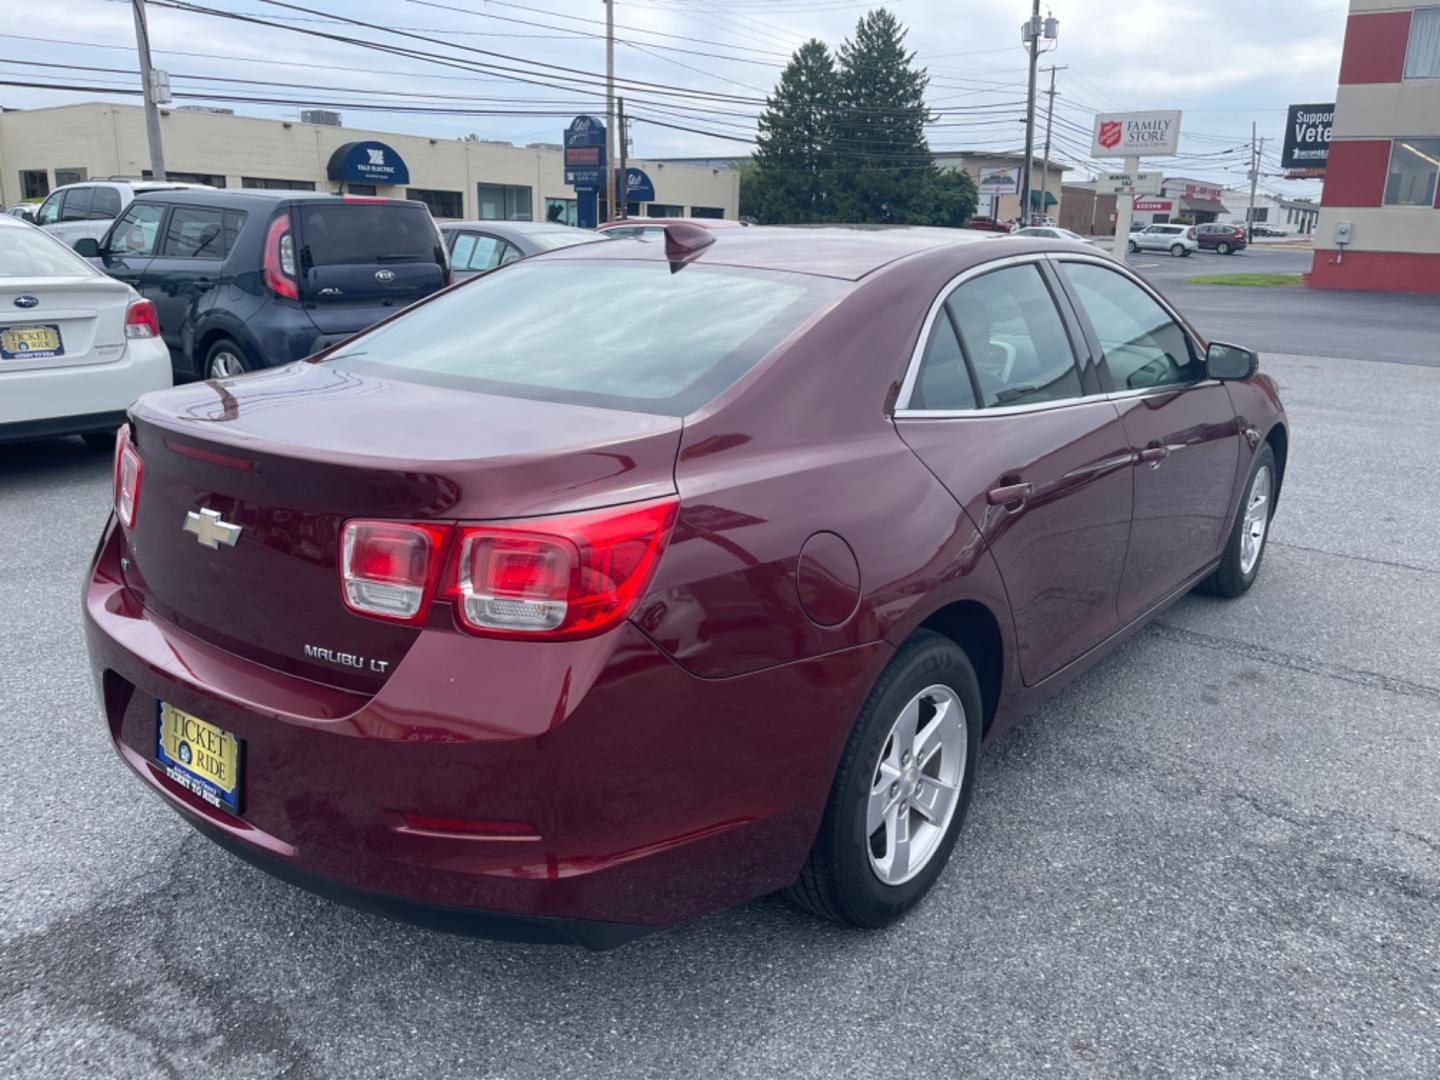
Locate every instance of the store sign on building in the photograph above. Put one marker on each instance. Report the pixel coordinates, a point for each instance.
(585, 153)
(1190, 190)
(1137, 134)
(638, 187)
(1004, 181)
(1307, 136)
(367, 162)
(1158, 206)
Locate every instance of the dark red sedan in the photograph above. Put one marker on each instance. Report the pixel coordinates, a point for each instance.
(638, 579)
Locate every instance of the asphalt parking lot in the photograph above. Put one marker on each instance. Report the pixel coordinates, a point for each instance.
(1217, 854)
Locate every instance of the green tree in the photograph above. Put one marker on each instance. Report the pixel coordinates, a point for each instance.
(883, 169)
(793, 148)
(947, 198)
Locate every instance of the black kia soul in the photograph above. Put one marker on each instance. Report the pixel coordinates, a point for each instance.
(250, 279)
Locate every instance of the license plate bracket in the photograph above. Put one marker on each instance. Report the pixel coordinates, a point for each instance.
(201, 757)
(32, 341)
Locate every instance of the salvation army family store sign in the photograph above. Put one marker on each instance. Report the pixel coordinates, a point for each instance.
(1137, 134)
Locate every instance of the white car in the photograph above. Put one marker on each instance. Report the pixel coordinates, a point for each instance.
(87, 208)
(1179, 240)
(1048, 232)
(76, 347)
(24, 211)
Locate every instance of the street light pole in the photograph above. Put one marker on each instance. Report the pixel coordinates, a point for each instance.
(1045, 161)
(147, 84)
(1032, 36)
(612, 188)
(1254, 182)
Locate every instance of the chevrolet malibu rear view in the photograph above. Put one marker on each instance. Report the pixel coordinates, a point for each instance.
(638, 579)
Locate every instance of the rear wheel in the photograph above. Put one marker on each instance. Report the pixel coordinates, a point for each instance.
(1178, 250)
(902, 789)
(1223, 247)
(1240, 565)
(1134, 247)
(225, 360)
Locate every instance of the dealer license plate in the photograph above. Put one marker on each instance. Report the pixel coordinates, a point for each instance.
(30, 342)
(199, 756)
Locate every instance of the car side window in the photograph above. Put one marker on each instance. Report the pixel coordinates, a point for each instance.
(510, 254)
(105, 205)
(194, 232)
(77, 204)
(135, 231)
(49, 212)
(944, 379)
(1014, 338)
(1143, 345)
(485, 255)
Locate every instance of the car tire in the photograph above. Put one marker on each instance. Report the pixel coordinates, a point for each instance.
(1223, 247)
(1178, 250)
(1245, 547)
(100, 440)
(844, 878)
(224, 360)
(1134, 247)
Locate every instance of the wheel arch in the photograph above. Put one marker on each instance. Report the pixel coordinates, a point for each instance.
(215, 332)
(973, 627)
(1279, 441)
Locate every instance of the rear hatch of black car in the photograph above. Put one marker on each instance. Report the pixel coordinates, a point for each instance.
(361, 259)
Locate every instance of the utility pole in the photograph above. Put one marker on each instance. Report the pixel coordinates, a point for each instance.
(1032, 35)
(612, 187)
(624, 183)
(1049, 115)
(1255, 151)
(147, 84)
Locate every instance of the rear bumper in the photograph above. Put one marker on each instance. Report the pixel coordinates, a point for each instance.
(80, 398)
(654, 796)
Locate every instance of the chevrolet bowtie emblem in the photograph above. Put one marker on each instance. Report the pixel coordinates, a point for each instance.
(210, 529)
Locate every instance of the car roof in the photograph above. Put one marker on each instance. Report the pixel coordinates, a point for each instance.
(242, 197)
(840, 251)
(513, 226)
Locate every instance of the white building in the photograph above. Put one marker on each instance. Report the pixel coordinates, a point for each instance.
(1293, 216)
(41, 149)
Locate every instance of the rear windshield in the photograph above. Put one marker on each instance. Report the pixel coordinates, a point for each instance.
(28, 252)
(344, 233)
(625, 335)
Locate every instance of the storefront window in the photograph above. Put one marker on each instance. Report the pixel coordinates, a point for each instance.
(69, 176)
(1422, 57)
(665, 210)
(562, 211)
(504, 202)
(707, 212)
(270, 184)
(442, 204)
(34, 183)
(1414, 164)
(214, 180)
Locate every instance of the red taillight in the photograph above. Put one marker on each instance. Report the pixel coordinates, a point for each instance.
(127, 478)
(389, 569)
(565, 576)
(142, 320)
(278, 261)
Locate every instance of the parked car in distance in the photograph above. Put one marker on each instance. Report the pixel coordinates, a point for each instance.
(1179, 240)
(548, 625)
(1268, 230)
(86, 209)
(1225, 239)
(23, 211)
(653, 227)
(249, 279)
(1048, 232)
(76, 348)
(477, 246)
(987, 224)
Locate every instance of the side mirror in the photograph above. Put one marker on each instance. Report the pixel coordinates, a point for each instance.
(1229, 361)
(87, 246)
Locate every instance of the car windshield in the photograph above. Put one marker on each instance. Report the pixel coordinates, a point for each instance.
(550, 241)
(627, 335)
(337, 233)
(26, 252)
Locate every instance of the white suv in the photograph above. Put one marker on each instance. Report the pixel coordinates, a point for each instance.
(87, 208)
(1177, 239)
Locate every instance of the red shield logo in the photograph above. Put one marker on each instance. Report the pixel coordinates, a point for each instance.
(1110, 134)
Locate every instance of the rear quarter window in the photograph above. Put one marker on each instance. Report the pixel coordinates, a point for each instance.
(623, 334)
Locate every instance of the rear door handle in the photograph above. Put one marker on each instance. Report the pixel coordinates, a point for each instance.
(1008, 494)
(1155, 454)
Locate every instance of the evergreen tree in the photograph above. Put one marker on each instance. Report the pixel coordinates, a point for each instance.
(883, 168)
(792, 152)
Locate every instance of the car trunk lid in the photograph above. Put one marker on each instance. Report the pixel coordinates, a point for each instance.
(81, 316)
(290, 455)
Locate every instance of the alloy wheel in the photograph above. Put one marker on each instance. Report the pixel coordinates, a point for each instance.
(1257, 521)
(226, 365)
(915, 787)
(1223, 248)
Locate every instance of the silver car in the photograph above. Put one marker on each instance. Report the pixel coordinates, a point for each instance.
(1179, 240)
(477, 246)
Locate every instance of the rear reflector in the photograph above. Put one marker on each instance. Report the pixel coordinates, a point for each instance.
(389, 569)
(565, 576)
(127, 478)
(141, 320)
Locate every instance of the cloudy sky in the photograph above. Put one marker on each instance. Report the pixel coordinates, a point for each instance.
(697, 69)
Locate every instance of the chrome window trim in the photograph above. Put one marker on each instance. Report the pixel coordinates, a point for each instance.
(1001, 410)
(902, 409)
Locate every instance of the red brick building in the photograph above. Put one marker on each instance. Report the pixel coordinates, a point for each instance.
(1381, 177)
